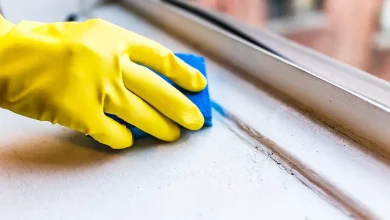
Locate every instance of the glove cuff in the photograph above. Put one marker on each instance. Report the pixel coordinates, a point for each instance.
(5, 26)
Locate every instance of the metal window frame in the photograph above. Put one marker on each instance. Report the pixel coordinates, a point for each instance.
(353, 113)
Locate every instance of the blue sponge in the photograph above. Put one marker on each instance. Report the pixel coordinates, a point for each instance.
(200, 99)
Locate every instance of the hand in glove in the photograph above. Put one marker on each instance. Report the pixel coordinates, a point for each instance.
(72, 73)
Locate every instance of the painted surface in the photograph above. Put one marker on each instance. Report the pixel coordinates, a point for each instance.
(342, 168)
(50, 172)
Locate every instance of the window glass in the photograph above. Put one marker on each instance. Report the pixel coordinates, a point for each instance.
(352, 31)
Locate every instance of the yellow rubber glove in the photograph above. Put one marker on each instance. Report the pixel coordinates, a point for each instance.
(71, 73)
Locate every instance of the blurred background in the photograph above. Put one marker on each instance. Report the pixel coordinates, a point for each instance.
(355, 32)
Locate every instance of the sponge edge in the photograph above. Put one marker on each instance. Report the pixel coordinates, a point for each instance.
(200, 99)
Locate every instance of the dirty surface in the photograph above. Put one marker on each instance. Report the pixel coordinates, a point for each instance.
(52, 172)
(212, 174)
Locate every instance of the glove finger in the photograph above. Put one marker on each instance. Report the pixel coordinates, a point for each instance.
(137, 112)
(5, 25)
(111, 133)
(161, 95)
(162, 60)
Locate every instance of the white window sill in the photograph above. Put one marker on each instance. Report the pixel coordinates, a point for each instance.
(239, 169)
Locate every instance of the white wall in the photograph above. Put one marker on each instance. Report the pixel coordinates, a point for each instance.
(385, 16)
(42, 10)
